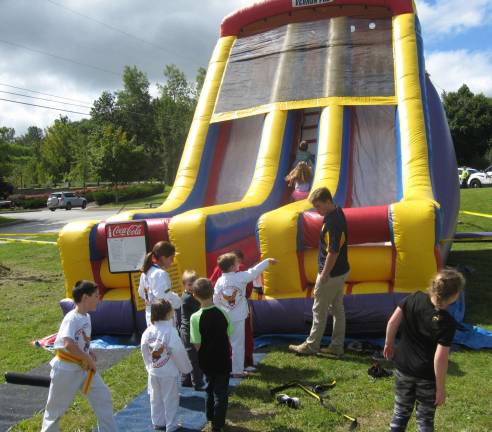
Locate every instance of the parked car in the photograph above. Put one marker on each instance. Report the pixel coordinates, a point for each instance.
(66, 200)
(463, 178)
(481, 178)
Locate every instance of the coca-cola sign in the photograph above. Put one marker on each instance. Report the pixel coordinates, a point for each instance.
(133, 229)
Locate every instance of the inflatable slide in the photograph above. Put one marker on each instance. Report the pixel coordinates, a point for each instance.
(349, 78)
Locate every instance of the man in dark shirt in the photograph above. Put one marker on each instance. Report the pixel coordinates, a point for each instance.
(333, 269)
(210, 330)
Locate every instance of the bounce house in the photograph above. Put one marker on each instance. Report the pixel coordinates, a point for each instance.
(348, 77)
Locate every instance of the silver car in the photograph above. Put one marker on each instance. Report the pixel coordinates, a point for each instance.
(66, 200)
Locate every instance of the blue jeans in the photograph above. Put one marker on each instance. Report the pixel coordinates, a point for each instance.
(217, 398)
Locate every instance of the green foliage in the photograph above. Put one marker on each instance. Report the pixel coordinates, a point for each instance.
(127, 193)
(29, 202)
(154, 131)
(174, 112)
(114, 157)
(470, 122)
(57, 149)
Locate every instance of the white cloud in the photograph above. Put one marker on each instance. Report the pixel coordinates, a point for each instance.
(183, 33)
(450, 69)
(444, 17)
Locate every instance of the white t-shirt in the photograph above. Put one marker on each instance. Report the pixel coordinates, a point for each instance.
(156, 285)
(77, 327)
(163, 351)
(230, 291)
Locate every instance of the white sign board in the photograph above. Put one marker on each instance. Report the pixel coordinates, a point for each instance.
(127, 246)
(302, 3)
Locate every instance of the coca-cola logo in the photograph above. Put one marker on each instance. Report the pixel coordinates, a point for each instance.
(126, 230)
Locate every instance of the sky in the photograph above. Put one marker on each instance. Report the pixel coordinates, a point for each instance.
(75, 49)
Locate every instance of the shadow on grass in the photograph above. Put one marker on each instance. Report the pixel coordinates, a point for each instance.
(454, 369)
(238, 413)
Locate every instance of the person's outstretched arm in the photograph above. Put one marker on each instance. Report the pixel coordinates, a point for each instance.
(440, 369)
(252, 273)
(391, 330)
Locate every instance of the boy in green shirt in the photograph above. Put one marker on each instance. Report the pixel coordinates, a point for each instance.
(210, 329)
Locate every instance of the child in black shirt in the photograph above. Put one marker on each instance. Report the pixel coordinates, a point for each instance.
(189, 305)
(210, 329)
(421, 357)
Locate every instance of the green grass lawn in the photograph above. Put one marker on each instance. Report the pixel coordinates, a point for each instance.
(479, 201)
(141, 203)
(5, 220)
(31, 285)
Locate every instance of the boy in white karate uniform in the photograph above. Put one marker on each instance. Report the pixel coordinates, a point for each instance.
(165, 359)
(230, 295)
(155, 283)
(74, 367)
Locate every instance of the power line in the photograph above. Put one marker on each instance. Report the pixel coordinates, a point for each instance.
(43, 99)
(46, 94)
(116, 29)
(43, 106)
(60, 57)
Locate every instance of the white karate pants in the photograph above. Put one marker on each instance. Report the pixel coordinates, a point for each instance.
(63, 388)
(237, 344)
(164, 401)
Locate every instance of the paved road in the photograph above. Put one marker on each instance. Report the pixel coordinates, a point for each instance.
(45, 221)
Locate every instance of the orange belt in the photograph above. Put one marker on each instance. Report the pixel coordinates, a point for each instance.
(71, 358)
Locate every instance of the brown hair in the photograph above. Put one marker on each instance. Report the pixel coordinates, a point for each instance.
(160, 249)
(446, 284)
(82, 287)
(239, 254)
(189, 276)
(322, 194)
(160, 310)
(226, 261)
(301, 173)
(203, 289)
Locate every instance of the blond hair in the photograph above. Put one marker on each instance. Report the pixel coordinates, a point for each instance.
(302, 173)
(189, 276)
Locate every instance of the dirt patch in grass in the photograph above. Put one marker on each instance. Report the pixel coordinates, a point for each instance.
(20, 276)
(4, 271)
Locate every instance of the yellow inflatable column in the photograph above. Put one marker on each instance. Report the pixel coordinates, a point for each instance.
(414, 146)
(75, 259)
(414, 239)
(413, 219)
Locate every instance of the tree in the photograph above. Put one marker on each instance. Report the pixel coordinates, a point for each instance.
(470, 122)
(57, 149)
(135, 108)
(174, 112)
(104, 109)
(5, 159)
(199, 81)
(115, 157)
(31, 170)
